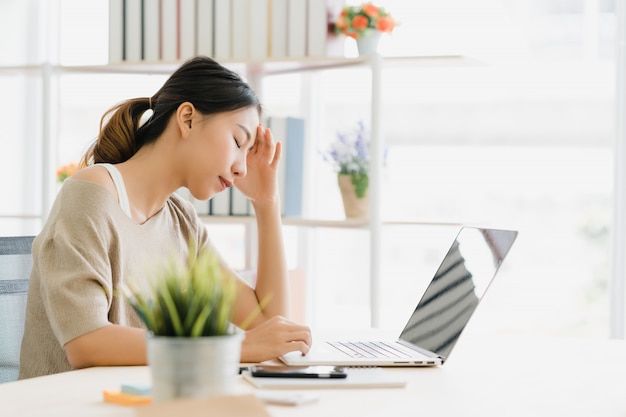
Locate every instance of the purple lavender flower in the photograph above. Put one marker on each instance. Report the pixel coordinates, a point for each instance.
(349, 154)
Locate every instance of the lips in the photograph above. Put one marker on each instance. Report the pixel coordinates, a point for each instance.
(225, 183)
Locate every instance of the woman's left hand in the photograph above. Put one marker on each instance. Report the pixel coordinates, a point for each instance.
(260, 183)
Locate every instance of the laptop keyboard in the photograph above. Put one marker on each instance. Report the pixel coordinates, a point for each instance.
(369, 349)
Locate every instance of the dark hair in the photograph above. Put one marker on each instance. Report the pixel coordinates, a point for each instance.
(209, 86)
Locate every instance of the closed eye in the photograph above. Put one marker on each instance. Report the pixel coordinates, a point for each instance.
(237, 143)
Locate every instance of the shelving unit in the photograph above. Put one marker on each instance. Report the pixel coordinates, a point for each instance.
(255, 71)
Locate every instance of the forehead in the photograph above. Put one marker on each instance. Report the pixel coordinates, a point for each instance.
(248, 116)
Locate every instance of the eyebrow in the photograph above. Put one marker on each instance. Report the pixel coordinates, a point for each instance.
(248, 134)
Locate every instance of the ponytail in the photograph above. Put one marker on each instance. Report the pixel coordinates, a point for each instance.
(117, 140)
(209, 86)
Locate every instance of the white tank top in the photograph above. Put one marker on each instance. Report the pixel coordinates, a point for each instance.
(122, 196)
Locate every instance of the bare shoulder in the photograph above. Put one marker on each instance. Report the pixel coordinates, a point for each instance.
(98, 175)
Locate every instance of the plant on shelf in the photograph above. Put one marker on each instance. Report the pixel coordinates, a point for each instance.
(349, 155)
(66, 171)
(359, 21)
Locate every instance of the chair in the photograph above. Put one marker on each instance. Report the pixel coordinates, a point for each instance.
(15, 265)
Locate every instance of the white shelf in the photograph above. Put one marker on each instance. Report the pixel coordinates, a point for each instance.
(257, 67)
(20, 69)
(331, 223)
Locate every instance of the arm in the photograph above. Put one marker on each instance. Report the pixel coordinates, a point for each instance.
(269, 334)
(272, 284)
(111, 345)
(260, 186)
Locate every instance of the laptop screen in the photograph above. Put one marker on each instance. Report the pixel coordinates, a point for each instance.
(460, 282)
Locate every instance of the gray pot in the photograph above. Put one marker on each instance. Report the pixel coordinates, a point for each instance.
(193, 366)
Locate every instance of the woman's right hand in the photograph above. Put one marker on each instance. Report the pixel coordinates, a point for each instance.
(274, 338)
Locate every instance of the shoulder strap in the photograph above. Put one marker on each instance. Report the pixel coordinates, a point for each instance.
(122, 196)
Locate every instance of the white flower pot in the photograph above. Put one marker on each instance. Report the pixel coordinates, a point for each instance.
(367, 43)
(193, 366)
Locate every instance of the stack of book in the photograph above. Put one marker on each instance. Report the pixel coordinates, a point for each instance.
(169, 31)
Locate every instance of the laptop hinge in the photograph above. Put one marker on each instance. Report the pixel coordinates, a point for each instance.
(423, 351)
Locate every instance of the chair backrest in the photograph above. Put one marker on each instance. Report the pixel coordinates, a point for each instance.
(16, 263)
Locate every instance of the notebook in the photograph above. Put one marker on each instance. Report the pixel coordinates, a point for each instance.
(440, 316)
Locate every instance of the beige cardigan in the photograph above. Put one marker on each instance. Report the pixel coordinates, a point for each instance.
(86, 249)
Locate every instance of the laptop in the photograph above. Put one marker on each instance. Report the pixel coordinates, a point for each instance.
(440, 316)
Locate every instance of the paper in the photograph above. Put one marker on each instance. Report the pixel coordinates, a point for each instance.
(223, 406)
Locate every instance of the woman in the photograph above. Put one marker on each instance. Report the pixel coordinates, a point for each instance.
(119, 217)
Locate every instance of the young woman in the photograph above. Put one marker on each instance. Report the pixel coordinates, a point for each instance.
(118, 217)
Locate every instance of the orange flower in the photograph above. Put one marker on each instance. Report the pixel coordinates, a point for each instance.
(385, 24)
(341, 24)
(359, 22)
(370, 10)
(356, 21)
(66, 171)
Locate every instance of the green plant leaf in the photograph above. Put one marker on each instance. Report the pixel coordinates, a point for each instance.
(192, 298)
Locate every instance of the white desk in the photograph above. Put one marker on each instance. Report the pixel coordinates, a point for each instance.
(519, 376)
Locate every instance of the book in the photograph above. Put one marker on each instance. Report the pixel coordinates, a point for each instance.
(296, 28)
(294, 161)
(221, 32)
(204, 28)
(151, 28)
(116, 31)
(169, 30)
(357, 378)
(290, 131)
(133, 30)
(187, 29)
(317, 28)
(202, 206)
(184, 193)
(219, 204)
(239, 204)
(258, 29)
(243, 405)
(278, 127)
(278, 29)
(239, 27)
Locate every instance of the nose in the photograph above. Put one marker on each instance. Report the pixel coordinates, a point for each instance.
(240, 168)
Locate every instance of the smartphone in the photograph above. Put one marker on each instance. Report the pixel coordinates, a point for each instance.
(298, 371)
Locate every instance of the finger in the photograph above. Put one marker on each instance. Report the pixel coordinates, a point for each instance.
(299, 334)
(278, 151)
(265, 144)
(258, 140)
(300, 347)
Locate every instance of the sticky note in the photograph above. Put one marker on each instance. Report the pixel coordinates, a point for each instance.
(120, 398)
(135, 389)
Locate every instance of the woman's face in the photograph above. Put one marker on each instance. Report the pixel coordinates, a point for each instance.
(219, 145)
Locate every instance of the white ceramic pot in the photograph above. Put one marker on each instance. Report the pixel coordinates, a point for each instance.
(367, 43)
(193, 366)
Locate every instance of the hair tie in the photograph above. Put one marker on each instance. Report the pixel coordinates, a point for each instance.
(147, 115)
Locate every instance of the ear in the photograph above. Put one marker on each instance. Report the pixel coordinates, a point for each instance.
(184, 116)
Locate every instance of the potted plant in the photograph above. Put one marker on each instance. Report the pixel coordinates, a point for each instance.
(193, 349)
(364, 23)
(348, 155)
(66, 171)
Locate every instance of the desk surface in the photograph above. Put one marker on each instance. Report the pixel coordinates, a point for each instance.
(485, 376)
